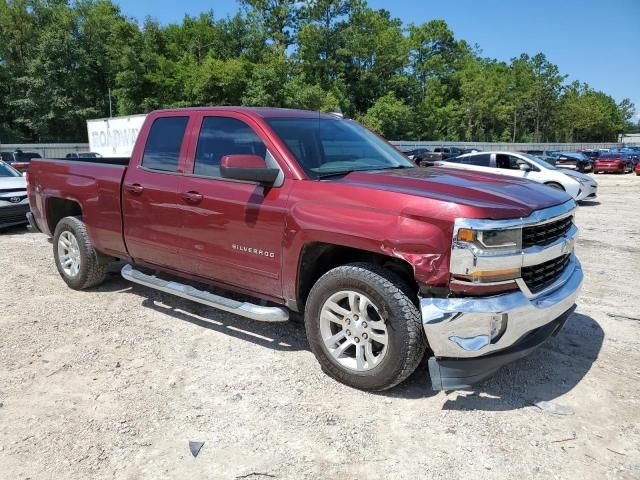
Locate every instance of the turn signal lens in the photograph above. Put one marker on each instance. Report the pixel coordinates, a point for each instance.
(491, 276)
(466, 235)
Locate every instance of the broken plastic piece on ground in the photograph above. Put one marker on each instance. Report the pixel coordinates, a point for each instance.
(195, 447)
(554, 408)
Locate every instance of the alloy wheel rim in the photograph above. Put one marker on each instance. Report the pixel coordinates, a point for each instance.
(69, 254)
(353, 331)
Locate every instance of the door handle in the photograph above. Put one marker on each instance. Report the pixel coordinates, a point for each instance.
(135, 188)
(192, 197)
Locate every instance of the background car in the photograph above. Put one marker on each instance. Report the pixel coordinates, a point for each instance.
(548, 156)
(632, 153)
(612, 162)
(14, 203)
(19, 159)
(83, 155)
(573, 160)
(519, 164)
(638, 168)
(439, 153)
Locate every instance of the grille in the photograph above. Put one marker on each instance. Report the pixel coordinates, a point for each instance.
(538, 277)
(15, 214)
(545, 233)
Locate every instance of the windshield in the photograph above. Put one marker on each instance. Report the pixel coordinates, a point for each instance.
(7, 171)
(538, 161)
(89, 155)
(324, 146)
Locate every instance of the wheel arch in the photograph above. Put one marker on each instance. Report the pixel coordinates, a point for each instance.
(58, 208)
(317, 258)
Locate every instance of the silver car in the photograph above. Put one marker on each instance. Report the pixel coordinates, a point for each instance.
(14, 203)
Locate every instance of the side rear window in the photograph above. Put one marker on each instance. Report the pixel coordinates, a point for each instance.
(162, 150)
(221, 136)
(482, 160)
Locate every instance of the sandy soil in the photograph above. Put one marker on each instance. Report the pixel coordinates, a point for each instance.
(114, 382)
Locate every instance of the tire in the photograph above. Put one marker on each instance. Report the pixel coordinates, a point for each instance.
(390, 307)
(89, 267)
(555, 185)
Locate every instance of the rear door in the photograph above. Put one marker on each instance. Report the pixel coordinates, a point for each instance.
(232, 231)
(151, 207)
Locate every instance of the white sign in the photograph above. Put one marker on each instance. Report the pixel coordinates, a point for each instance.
(114, 137)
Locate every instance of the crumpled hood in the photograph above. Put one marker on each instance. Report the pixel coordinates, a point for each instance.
(497, 196)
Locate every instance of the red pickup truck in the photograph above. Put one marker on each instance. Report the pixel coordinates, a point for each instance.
(311, 213)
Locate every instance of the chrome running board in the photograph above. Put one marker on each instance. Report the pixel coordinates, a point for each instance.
(244, 309)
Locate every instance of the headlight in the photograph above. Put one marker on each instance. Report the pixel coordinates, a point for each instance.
(487, 243)
(497, 241)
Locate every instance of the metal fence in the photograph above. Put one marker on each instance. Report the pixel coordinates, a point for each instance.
(51, 150)
(508, 147)
(58, 150)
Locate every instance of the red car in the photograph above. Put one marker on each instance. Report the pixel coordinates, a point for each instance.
(613, 163)
(638, 168)
(306, 212)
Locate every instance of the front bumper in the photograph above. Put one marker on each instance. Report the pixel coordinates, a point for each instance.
(474, 328)
(588, 192)
(13, 215)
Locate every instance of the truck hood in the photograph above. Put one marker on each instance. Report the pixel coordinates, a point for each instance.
(496, 196)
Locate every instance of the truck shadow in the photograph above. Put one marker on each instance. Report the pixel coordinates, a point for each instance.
(282, 336)
(549, 372)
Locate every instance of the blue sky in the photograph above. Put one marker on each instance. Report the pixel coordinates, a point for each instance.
(594, 41)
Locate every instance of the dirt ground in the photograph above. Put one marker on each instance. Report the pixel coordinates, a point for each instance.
(114, 382)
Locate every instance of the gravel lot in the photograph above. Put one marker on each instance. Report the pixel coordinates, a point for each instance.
(114, 382)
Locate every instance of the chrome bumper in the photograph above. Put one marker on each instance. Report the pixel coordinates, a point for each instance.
(472, 327)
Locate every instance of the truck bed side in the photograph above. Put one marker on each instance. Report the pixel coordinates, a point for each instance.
(59, 188)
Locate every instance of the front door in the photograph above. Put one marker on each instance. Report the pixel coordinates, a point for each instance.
(232, 231)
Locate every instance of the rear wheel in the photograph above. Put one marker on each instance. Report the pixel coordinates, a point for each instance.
(363, 327)
(78, 263)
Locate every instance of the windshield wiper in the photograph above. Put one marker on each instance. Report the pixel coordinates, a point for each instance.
(351, 170)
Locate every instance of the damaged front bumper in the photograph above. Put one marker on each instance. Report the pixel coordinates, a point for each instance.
(471, 338)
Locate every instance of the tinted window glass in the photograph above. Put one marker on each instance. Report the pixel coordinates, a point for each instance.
(220, 136)
(6, 171)
(482, 160)
(508, 162)
(328, 146)
(162, 150)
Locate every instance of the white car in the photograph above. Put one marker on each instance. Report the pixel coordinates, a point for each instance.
(14, 203)
(517, 164)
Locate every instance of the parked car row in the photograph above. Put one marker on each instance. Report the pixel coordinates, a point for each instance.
(519, 164)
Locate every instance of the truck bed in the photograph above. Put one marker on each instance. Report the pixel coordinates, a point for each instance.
(96, 185)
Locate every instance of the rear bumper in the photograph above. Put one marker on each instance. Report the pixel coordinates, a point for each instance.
(32, 222)
(609, 168)
(475, 329)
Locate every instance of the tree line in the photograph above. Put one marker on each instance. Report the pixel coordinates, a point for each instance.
(59, 59)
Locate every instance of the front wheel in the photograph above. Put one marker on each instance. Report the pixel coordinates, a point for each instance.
(363, 327)
(78, 263)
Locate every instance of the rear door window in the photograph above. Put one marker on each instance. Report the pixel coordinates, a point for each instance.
(221, 136)
(162, 150)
